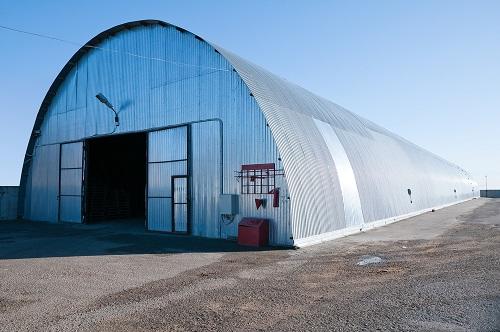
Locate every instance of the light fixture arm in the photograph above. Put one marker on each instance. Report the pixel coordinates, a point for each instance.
(106, 102)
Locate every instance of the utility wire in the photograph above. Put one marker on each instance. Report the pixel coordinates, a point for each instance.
(40, 35)
(107, 49)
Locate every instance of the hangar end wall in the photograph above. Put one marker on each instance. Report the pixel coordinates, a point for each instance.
(159, 76)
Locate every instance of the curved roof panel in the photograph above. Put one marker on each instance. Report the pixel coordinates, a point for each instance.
(384, 165)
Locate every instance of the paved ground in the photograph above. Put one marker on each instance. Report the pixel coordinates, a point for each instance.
(435, 272)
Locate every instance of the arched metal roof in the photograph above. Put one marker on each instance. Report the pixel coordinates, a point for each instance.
(342, 170)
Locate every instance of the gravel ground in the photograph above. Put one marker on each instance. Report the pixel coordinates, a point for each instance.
(436, 272)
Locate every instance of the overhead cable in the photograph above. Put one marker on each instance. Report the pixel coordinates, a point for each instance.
(109, 50)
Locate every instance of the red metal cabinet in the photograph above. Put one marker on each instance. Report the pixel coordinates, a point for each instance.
(253, 232)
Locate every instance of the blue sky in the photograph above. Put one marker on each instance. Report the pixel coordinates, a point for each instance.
(426, 70)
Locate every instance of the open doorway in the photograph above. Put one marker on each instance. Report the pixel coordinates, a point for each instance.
(116, 178)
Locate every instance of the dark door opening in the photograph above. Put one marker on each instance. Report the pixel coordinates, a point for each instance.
(115, 185)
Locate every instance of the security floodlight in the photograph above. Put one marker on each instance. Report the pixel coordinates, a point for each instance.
(106, 102)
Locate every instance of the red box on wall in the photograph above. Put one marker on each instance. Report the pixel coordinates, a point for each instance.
(253, 232)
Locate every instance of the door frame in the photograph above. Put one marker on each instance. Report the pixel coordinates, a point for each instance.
(188, 205)
(188, 182)
(85, 168)
(83, 182)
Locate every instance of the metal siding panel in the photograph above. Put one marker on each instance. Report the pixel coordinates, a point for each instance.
(8, 202)
(81, 84)
(384, 164)
(53, 183)
(167, 145)
(159, 175)
(316, 197)
(40, 164)
(164, 147)
(26, 213)
(347, 180)
(180, 190)
(71, 207)
(38, 185)
(180, 217)
(44, 184)
(71, 181)
(206, 176)
(160, 214)
(69, 125)
(71, 89)
(247, 140)
(71, 155)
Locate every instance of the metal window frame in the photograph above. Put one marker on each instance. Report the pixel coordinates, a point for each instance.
(83, 182)
(187, 176)
(187, 203)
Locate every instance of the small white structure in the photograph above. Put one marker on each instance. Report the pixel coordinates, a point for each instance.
(190, 138)
(8, 202)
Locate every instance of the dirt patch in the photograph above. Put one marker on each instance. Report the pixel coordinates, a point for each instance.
(7, 305)
(445, 284)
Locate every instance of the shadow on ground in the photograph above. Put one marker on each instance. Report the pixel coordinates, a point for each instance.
(26, 239)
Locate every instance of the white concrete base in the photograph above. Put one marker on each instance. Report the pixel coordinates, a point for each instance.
(316, 239)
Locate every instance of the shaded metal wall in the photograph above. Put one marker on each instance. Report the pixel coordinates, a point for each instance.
(42, 198)
(187, 82)
(495, 193)
(70, 183)
(8, 202)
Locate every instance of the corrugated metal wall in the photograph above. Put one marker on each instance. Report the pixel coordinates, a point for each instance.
(347, 180)
(206, 165)
(167, 157)
(385, 165)
(187, 83)
(70, 188)
(43, 193)
(8, 202)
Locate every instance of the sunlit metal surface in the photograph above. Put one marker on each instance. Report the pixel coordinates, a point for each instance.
(336, 179)
(167, 157)
(350, 196)
(385, 165)
(196, 87)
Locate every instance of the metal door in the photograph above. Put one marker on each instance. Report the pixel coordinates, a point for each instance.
(180, 204)
(168, 160)
(70, 182)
